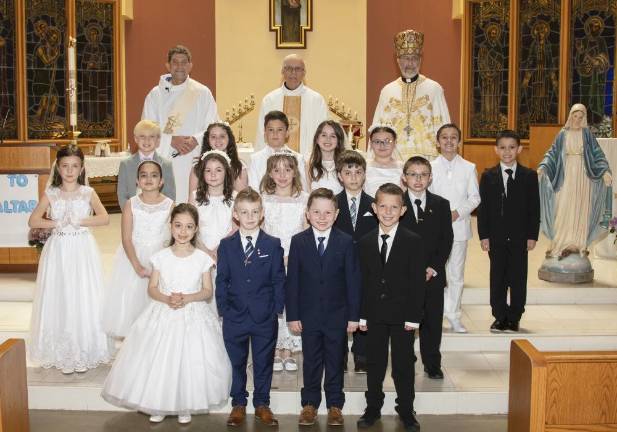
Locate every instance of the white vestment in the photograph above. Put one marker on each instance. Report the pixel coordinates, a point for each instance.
(313, 111)
(159, 105)
(259, 163)
(426, 105)
(457, 181)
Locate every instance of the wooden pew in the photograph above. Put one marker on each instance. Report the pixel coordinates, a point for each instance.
(571, 391)
(13, 387)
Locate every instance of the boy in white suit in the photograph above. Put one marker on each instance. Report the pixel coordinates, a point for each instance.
(455, 179)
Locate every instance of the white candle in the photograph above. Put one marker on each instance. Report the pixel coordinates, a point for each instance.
(72, 83)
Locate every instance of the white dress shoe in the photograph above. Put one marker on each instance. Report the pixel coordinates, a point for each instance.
(457, 326)
(290, 364)
(278, 364)
(184, 419)
(156, 418)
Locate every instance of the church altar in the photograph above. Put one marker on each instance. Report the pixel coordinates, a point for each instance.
(607, 248)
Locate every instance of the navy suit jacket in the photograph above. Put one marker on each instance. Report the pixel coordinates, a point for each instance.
(255, 286)
(322, 292)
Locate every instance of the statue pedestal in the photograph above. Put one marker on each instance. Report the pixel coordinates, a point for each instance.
(571, 269)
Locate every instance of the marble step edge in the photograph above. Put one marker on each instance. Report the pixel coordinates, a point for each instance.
(475, 342)
(448, 402)
(550, 296)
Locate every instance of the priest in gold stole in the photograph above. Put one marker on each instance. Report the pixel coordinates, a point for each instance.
(413, 105)
(304, 107)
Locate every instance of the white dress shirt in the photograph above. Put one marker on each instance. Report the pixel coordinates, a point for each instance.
(413, 198)
(504, 174)
(317, 234)
(253, 236)
(389, 241)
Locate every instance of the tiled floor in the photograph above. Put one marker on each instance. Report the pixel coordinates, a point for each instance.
(75, 421)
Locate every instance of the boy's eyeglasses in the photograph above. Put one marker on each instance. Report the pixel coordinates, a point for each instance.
(418, 176)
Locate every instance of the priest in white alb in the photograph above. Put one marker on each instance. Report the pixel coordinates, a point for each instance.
(304, 107)
(413, 105)
(183, 108)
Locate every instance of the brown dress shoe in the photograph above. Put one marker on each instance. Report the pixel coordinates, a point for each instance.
(335, 417)
(307, 416)
(264, 415)
(237, 416)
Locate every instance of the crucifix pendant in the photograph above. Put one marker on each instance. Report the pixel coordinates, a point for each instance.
(407, 130)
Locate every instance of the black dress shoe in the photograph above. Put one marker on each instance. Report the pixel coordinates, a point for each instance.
(513, 326)
(434, 373)
(411, 423)
(499, 326)
(359, 367)
(368, 419)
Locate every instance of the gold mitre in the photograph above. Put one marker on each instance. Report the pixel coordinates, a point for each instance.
(409, 42)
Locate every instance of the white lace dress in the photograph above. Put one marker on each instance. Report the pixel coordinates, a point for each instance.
(329, 180)
(284, 217)
(173, 361)
(66, 330)
(215, 223)
(377, 176)
(127, 293)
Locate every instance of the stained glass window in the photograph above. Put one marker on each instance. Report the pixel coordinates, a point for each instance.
(539, 28)
(95, 79)
(45, 60)
(490, 33)
(7, 70)
(592, 62)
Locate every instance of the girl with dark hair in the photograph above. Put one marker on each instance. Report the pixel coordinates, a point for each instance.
(328, 144)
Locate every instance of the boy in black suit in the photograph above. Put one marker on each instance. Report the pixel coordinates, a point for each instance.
(429, 216)
(393, 284)
(508, 225)
(355, 218)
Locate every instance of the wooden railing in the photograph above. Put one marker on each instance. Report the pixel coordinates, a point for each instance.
(13, 387)
(571, 391)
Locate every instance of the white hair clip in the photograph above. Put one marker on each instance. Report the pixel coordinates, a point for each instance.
(217, 152)
(282, 152)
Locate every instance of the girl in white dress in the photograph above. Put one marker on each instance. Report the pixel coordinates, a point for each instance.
(173, 361)
(145, 229)
(328, 143)
(214, 199)
(384, 167)
(284, 215)
(219, 136)
(66, 331)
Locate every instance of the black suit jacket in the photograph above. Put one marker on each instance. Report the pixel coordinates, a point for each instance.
(364, 221)
(394, 293)
(435, 230)
(514, 217)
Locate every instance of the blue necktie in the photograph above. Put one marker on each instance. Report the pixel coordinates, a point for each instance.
(320, 248)
(248, 250)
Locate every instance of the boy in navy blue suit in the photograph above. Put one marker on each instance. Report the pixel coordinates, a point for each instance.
(250, 293)
(355, 218)
(322, 300)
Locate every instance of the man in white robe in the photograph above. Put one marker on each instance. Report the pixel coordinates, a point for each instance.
(311, 110)
(183, 108)
(413, 105)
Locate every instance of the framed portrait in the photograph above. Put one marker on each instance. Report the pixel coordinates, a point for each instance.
(291, 19)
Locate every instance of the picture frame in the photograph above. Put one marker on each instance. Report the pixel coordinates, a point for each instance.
(290, 20)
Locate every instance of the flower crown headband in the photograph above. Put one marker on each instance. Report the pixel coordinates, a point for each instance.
(217, 152)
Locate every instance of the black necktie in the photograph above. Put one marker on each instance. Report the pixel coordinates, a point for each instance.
(418, 204)
(384, 248)
(510, 182)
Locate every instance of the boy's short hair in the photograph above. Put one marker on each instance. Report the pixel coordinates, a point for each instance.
(350, 158)
(276, 115)
(249, 195)
(323, 193)
(387, 129)
(449, 126)
(147, 126)
(508, 133)
(417, 160)
(178, 49)
(390, 189)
